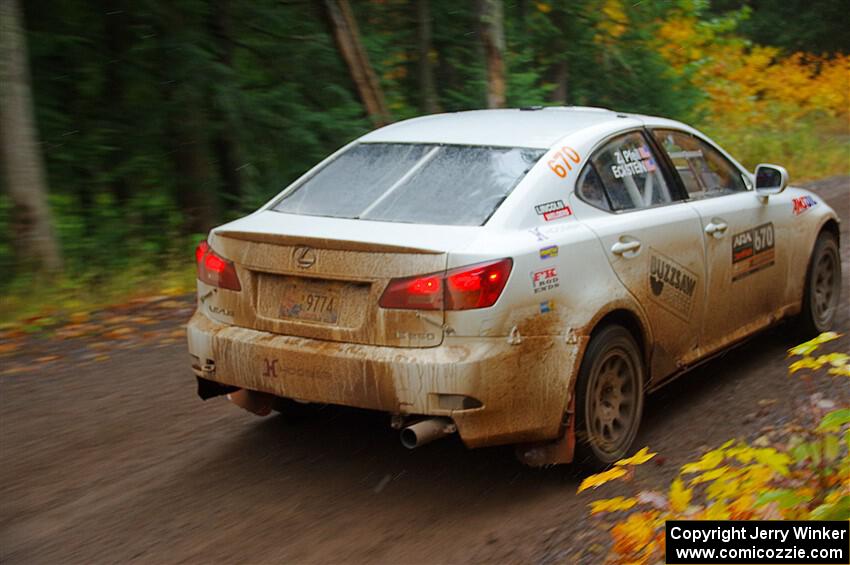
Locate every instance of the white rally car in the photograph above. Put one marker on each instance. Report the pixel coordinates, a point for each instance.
(516, 276)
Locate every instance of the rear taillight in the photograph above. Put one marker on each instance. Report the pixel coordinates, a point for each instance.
(464, 288)
(215, 270)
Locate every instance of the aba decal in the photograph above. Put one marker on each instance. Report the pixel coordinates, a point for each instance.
(752, 251)
(671, 284)
(803, 203)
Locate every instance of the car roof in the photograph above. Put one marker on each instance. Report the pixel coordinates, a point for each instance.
(532, 127)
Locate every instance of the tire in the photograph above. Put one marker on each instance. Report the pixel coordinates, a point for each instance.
(822, 294)
(609, 398)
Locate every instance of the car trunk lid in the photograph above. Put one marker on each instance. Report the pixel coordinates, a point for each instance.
(328, 289)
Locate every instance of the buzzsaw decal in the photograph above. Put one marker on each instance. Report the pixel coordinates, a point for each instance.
(752, 251)
(671, 285)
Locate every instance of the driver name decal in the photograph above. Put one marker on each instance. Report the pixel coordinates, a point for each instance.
(752, 251)
(633, 162)
(671, 285)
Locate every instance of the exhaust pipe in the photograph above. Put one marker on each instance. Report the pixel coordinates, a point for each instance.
(426, 431)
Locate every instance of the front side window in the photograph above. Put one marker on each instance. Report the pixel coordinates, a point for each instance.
(629, 171)
(704, 171)
(415, 183)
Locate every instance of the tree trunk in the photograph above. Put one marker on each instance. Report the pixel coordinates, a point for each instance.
(225, 145)
(347, 37)
(560, 68)
(35, 238)
(117, 41)
(561, 74)
(187, 126)
(427, 91)
(491, 17)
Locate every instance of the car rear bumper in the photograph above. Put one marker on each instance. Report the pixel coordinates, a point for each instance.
(496, 392)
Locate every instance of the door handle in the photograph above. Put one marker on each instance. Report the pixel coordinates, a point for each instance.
(623, 247)
(716, 228)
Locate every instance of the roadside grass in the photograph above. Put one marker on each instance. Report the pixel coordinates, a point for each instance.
(811, 148)
(33, 303)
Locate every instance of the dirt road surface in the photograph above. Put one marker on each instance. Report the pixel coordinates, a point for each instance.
(118, 460)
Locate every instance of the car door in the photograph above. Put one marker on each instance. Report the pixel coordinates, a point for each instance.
(653, 241)
(744, 239)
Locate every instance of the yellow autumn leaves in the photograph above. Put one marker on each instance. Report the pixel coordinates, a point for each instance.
(619, 469)
(802, 477)
(761, 104)
(839, 362)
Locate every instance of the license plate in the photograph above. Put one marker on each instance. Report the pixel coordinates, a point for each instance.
(311, 302)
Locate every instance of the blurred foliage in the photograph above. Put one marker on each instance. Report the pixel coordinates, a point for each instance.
(757, 102)
(159, 120)
(800, 475)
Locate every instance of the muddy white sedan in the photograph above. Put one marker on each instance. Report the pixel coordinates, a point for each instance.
(513, 276)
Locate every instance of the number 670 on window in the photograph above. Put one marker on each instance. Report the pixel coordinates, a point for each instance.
(562, 160)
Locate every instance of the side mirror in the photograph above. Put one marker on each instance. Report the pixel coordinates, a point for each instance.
(770, 179)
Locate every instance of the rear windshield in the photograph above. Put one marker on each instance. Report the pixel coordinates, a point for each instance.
(457, 185)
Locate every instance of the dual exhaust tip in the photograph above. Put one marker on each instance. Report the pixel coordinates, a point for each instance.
(426, 431)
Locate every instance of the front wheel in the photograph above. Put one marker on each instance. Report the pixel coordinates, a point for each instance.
(609, 398)
(823, 287)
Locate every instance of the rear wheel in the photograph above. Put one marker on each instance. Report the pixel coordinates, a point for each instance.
(823, 287)
(609, 398)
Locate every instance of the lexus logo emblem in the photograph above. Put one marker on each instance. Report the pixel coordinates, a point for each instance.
(304, 257)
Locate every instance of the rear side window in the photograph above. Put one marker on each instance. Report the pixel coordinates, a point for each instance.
(704, 171)
(413, 183)
(591, 189)
(628, 169)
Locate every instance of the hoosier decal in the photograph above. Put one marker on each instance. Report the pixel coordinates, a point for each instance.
(671, 284)
(752, 251)
(803, 203)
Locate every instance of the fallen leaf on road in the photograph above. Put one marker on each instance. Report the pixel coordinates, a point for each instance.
(600, 479)
(79, 317)
(118, 333)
